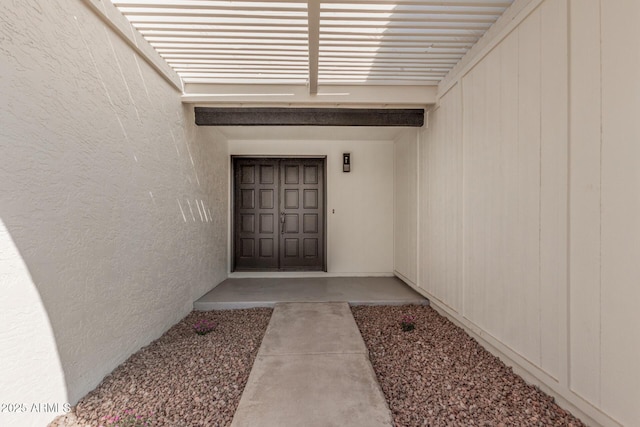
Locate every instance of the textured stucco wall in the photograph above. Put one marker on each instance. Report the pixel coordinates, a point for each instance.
(113, 204)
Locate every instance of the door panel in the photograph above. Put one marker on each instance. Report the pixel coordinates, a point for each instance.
(256, 230)
(266, 248)
(267, 199)
(278, 214)
(290, 225)
(267, 224)
(303, 209)
(291, 199)
(310, 223)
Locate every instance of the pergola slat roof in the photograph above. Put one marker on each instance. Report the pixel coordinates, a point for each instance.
(312, 42)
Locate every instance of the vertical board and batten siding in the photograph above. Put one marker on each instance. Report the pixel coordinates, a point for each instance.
(529, 203)
(585, 196)
(502, 199)
(405, 217)
(554, 154)
(513, 180)
(529, 149)
(440, 205)
(620, 211)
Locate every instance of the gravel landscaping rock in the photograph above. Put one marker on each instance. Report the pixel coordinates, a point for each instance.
(437, 375)
(182, 378)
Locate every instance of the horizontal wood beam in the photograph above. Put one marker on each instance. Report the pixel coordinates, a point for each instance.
(334, 96)
(207, 116)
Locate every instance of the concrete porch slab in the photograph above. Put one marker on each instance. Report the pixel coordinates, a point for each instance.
(301, 378)
(267, 292)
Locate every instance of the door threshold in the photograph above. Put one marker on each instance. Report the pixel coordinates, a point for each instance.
(299, 274)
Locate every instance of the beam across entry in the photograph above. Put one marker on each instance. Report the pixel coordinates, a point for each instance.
(210, 116)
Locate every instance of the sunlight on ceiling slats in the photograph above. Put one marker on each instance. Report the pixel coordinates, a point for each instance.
(410, 42)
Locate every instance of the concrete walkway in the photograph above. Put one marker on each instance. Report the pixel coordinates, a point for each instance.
(312, 369)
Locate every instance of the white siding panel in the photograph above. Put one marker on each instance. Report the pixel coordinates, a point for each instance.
(502, 192)
(406, 208)
(453, 198)
(620, 210)
(490, 219)
(483, 168)
(440, 210)
(550, 203)
(585, 200)
(528, 160)
(508, 264)
(554, 160)
(475, 200)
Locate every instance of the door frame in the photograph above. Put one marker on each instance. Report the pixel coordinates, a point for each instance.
(231, 250)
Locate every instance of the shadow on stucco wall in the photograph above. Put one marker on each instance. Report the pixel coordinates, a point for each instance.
(27, 342)
(113, 205)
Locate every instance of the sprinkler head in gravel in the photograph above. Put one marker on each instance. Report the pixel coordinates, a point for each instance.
(408, 323)
(204, 326)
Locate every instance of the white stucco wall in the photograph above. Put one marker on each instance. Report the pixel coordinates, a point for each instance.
(113, 205)
(529, 203)
(360, 232)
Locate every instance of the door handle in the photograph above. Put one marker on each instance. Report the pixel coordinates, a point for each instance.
(282, 222)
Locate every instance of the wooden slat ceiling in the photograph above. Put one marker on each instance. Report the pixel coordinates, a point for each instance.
(313, 42)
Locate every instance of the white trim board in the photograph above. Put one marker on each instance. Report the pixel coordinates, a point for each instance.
(111, 16)
(510, 19)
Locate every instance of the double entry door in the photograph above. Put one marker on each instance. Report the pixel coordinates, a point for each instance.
(278, 214)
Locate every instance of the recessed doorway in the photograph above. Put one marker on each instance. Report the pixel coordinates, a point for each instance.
(278, 214)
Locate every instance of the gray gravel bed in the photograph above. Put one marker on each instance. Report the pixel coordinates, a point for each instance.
(437, 375)
(182, 378)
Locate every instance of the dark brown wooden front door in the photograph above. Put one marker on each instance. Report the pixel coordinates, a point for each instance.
(278, 214)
